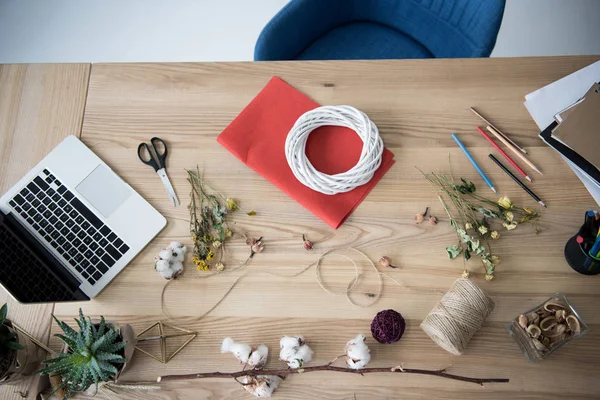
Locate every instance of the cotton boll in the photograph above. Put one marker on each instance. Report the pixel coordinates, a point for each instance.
(175, 245)
(304, 353)
(180, 254)
(176, 267)
(178, 249)
(357, 353)
(262, 385)
(291, 341)
(164, 268)
(167, 254)
(241, 351)
(258, 358)
(294, 352)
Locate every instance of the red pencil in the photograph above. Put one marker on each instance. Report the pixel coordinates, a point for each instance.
(510, 160)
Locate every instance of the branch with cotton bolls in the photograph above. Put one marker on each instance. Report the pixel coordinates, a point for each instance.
(295, 352)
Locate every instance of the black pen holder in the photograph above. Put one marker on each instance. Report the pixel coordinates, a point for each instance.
(579, 259)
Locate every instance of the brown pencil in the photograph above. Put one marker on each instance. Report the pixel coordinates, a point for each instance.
(512, 148)
(521, 149)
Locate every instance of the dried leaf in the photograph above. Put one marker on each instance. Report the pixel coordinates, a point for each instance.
(453, 251)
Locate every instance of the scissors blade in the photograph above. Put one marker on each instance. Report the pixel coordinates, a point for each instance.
(168, 187)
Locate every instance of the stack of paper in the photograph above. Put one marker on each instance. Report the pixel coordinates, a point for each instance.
(544, 103)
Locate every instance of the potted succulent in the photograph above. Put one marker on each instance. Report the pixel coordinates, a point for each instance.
(19, 356)
(98, 352)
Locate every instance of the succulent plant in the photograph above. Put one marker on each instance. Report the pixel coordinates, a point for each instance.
(8, 339)
(93, 355)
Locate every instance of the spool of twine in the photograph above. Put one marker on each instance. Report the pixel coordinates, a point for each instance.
(458, 316)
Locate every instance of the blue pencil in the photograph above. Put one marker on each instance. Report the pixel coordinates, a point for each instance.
(477, 167)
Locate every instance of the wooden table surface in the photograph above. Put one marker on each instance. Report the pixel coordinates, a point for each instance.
(40, 105)
(416, 104)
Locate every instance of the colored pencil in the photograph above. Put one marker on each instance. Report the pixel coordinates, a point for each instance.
(510, 160)
(595, 251)
(521, 149)
(477, 167)
(525, 188)
(513, 149)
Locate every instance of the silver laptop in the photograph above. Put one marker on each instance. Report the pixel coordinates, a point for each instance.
(69, 226)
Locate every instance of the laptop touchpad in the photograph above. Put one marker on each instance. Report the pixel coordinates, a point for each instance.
(104, 190)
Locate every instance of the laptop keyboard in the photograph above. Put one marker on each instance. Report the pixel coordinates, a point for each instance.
(20, 265)
(69, 226)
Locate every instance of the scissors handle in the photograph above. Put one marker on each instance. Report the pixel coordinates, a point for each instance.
(159, 163)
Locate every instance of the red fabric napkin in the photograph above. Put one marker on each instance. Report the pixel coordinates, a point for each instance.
(257, 137)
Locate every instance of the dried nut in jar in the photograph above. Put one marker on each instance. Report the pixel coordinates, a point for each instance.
(542, 313)
(548, 323)
(545, 341)
(553, 306)
(560, 315)
(573, 323)
(523, 321)
(556, 331)
(539, 345)
(558, 339)
(533, 318)
(534, 331)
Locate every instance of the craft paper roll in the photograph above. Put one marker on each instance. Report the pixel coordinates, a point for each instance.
(458, 316)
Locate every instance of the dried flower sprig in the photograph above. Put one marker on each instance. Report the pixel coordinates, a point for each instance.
(473, 217)
(208, 226)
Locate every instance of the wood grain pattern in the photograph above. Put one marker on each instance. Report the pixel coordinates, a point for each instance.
(416, 104)
(40, 105)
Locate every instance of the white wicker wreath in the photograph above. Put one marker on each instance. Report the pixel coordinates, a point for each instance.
(350, 117)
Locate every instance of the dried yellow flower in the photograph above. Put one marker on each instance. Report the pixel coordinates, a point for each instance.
(489, 277)
(195, 239)
(468, 225)
(465, 273)
(228, 233)
(510, 226)
(231, 204)
(529, 210)
(217, 243)
(482, 229)
(495, 260)
(220, 266)
(210, 255)
(505, 202)
(202, 265)
(509, 216)
(495, 235)
(207, 237)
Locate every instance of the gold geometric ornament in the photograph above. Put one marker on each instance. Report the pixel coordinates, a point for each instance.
(163, 340)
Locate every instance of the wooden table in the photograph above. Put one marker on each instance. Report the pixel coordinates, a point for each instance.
(40, 105)
(416, 105)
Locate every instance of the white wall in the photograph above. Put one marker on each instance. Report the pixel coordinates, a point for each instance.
(226, 30)
(131, 30)
(549, 27)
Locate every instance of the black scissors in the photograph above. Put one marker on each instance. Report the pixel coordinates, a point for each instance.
(157, 160)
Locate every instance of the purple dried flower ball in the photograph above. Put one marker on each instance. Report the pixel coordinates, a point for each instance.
(388, 326)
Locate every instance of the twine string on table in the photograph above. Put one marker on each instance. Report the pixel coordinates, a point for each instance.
(346, 116)
(318, 263)
(458, 316)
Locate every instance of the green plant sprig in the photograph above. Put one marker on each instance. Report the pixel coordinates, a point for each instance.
(475, 213)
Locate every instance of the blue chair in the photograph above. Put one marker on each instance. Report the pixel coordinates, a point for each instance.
(380, 29)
